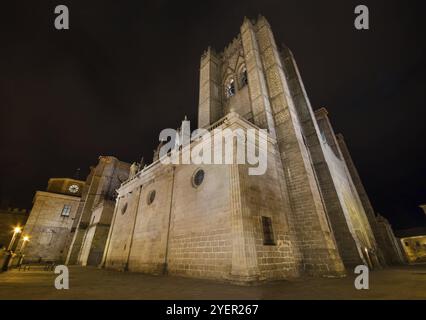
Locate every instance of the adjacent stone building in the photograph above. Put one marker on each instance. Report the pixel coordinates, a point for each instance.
(413, 242)
(51, 219)
(308, 214)
(87, 237)
(9, 219)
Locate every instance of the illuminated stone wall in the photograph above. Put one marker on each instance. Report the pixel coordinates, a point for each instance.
(213, 230)
(47, 228)
(308, 193)
(414, 248)
(84, 242)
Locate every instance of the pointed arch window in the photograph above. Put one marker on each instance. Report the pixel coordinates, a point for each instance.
(229, 88)
(243, 77)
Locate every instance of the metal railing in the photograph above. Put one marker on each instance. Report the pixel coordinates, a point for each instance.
(45, 265)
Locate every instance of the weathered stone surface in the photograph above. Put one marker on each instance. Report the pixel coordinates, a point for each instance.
(414, 248)
(49, 223)
(87, 238)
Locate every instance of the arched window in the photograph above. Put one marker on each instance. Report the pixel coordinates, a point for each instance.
(124, 208)
(243, 77)
(229, 88)
(151, 197)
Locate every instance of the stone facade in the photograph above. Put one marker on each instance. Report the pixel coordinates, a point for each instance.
(278, 102)
(89, 232)
(271, 106)
(414, 248)
(390, 247)
(51, 219)
(308, 214)
(311, 197)
(213, 230)
(357, 244)
(413, 244)
(388, 251)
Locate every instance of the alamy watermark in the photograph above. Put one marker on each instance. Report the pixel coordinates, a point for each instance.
(62, 21)
(362, 282)
(62, 280)
(218, 146)
(362, 20)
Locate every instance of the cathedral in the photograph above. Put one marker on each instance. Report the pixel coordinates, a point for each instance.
(308, 214)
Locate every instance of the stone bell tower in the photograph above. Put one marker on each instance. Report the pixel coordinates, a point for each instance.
(249, 78)
(235, 80)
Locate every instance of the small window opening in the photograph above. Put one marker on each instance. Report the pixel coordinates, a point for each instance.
(66, 210)
(244, 79)
(268, 234)
(230, 88)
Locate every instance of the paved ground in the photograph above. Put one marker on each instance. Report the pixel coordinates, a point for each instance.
(92, 283)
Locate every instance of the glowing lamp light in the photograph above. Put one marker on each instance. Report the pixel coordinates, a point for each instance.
(16, 230)
(26, 238)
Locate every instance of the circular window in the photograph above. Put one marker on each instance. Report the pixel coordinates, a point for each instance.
(124, 208)
(198, 178)
(151, 197)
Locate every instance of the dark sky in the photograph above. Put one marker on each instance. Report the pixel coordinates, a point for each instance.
(128, 69)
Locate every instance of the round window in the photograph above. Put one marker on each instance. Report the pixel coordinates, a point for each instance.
(198, 178)
(124, 208)
(151, 197)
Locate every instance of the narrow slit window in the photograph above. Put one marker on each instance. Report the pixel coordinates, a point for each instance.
(268, 233)
(244, 79)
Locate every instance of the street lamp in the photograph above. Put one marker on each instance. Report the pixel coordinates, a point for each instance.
(9, 253)
(16, 231)
(25, 239)
(24, 242)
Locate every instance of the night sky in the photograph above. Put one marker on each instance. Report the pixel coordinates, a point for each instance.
(128, 69)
